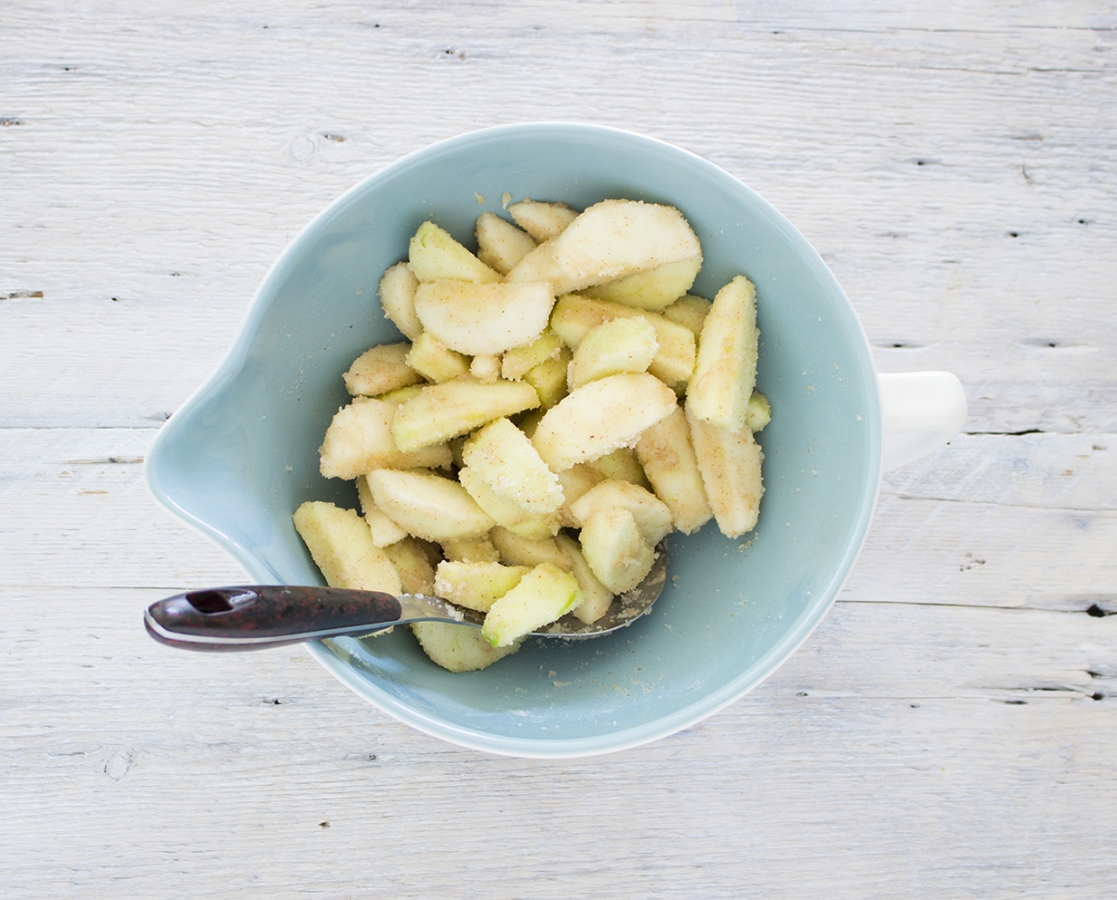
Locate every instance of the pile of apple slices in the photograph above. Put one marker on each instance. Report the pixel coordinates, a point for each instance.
(560, 405)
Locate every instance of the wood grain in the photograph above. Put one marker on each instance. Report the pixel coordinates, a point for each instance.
(948, 729)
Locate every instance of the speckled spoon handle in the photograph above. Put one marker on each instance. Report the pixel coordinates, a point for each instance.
(258, 616)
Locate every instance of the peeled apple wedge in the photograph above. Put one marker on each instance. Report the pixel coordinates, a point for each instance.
(725, 369)
(433, 255)
(667, 457)
(427, 505)
(541, 220)
(611, 240)
(653, 289)
(360, 439)
(500, 244)
(397, 299)
(434, 360)
(459, 649)
(595, 596)
(689, 311)
(575, 316)
(730, 463)
(651, 514)
(543, 595)
(507, 512)
(601, 417)
(517, 362)
(379, 370)
(505, 458)
(384, 531)
(616, 346)
(416, 573)
(615, 549)
(341, 546)
(484, 318)
(517, 551)
(476, 585)
(443, 411)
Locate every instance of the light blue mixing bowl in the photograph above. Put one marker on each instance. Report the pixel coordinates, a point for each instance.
(241, 454)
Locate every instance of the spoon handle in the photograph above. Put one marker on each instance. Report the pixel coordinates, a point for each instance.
(258, 616)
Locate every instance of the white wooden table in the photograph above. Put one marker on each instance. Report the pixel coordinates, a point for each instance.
(950, 729)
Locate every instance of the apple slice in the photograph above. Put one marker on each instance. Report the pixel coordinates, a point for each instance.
(574, 316)
(506, 460)
(725, 369)
(541, 220)
(616, 346)
(414, 566)
(427, 505)
(507, 512)
(667, 457)
(517, 551)
(730, 463)
(611, 240)
(434, 360)
(615, 549)
(652, 289)
(500, 244)
(484, 318)
(459, 649)
(433, 255)
(444, 411)
(595, 596)
(341, 546)
(397, 299)
(476, 585)
(360, 439)
(380, 369)
(601, 417)
(543, 595)
(652, 515)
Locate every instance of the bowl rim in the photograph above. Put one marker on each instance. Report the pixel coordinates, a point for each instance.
(505, 745)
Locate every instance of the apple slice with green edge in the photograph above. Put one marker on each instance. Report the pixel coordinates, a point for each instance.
(653, 289)
(614, 347)
(543, 595)
(433, 255)
(596, 598)
(476, 585)
(574, 316)
(443, 411)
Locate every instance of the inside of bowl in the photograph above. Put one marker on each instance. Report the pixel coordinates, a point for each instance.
(242, 454)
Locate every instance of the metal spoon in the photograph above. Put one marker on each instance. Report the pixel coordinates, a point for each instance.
(253, 617)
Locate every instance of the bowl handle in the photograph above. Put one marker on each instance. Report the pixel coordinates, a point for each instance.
(921, 412)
